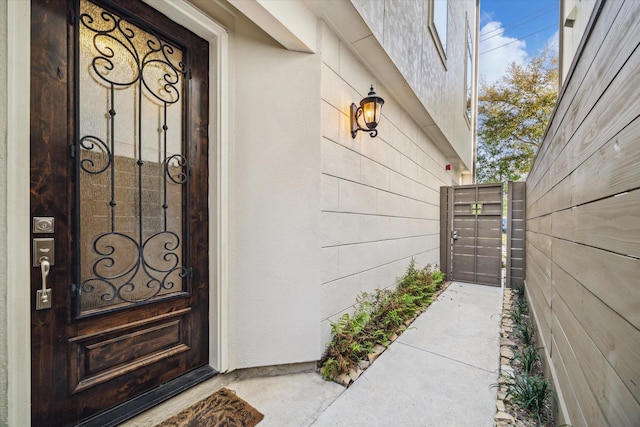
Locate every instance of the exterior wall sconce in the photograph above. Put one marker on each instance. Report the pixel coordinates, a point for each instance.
(369, 110)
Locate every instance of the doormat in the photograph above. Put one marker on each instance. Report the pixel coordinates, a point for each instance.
(222, 408)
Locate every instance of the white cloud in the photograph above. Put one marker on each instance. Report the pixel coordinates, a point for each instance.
(553, 43)
(500, 50)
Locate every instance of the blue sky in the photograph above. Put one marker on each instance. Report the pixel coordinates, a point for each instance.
(515, 30)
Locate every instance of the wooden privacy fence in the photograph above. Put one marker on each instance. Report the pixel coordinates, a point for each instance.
(583, 227)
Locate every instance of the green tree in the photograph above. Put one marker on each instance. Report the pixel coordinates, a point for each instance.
(512, 115)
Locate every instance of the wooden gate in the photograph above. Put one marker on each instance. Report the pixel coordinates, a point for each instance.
(471, 245)
(471, 230)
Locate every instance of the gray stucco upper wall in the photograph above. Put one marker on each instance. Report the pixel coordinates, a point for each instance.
(402, 29)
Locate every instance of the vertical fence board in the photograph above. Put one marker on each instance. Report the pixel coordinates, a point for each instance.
(516, 259)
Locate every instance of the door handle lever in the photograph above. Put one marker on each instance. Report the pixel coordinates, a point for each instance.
(43, 297)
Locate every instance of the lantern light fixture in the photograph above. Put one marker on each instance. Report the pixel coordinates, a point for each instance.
(369, 110)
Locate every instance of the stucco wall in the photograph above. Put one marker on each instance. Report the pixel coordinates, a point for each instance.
(274, 178)
(379, 196)
(314, 215)
(401, 27)
(3, 216)
(574, 17)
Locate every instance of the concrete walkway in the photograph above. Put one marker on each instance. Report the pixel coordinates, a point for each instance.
(437, 373)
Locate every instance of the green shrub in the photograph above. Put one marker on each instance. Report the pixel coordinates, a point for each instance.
(520, 304)
(330, 368)
(526, 390)
(437, 276)
(531, 393)
(527, 358)
(378, 315)
(526, 332)
(517, 317)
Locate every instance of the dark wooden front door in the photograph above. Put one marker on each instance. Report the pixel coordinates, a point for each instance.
(476, 234)
(119, 119)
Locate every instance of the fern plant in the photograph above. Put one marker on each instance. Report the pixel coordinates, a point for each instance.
(378, 315)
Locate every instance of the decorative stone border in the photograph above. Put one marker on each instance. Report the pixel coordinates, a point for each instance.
(348, 379)
(503, 418)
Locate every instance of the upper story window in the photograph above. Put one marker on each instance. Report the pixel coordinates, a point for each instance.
(438, 17)
(468, 72)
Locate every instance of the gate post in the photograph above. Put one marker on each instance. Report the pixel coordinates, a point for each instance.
(516, 244)
(446, 222)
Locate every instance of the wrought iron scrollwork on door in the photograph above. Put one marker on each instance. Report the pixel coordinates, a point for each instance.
(132, 163)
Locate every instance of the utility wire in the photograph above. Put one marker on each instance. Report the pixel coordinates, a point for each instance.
(518, 39)
(510, 25)
(501, 29)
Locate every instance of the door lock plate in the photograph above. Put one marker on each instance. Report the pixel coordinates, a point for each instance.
(43, 247)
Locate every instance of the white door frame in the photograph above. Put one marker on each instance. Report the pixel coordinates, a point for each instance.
(18, 210)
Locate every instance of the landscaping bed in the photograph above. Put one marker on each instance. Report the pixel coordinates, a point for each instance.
(379, 317)
(524, 396)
